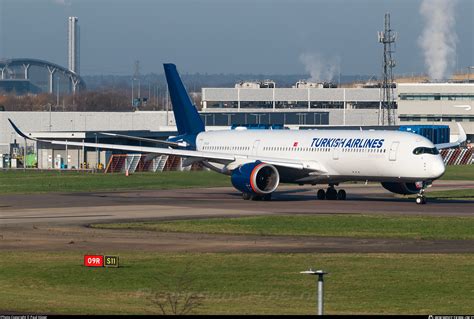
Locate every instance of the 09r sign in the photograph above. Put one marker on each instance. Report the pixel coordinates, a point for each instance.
(93, 261)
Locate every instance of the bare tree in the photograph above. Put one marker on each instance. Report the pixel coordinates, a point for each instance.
(176, 298)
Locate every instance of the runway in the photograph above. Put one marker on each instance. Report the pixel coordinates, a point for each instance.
(57, 221)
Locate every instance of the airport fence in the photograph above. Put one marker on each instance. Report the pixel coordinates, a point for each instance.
(458, 156)
(122, 163)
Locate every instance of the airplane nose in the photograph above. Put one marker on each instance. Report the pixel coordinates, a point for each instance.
(438, 168)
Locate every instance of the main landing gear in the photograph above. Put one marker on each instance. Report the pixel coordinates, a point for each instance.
(248, 196)
(331, 193)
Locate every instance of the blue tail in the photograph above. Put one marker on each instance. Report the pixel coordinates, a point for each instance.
(187, 117)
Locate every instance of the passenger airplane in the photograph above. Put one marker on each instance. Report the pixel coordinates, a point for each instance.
(258, 160)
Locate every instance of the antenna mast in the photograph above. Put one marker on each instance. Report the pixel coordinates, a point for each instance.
(136, 78)
(387, 37)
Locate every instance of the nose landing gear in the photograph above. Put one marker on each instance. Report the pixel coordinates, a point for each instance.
(331, 194)
(420, 197)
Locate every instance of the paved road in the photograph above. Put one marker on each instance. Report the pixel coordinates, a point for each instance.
(57, 221)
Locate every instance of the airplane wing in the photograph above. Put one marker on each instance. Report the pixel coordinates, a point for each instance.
(232, 160)
(461, 139)
(144, 139)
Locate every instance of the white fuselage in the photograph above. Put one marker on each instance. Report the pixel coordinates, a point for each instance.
(345, 155)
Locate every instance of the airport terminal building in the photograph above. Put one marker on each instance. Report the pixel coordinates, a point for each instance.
(437, 103)
(344, 106)
(416, 103)
(306, 106)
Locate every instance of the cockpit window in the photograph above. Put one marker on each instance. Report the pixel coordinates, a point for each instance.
(425, 150)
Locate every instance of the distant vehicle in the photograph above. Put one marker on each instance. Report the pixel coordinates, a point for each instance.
(258, 160)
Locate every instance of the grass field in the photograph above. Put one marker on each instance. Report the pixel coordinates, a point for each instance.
(57, 283)
(238, 283)
(359, 226)
(462, 194)
(18, 181)
(55, 181)
(459, 172)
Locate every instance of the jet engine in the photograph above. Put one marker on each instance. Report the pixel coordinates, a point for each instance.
(256, 178)
(403, 188)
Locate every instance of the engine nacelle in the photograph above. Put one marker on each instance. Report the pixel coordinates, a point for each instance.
(403, 188)
(256, 178)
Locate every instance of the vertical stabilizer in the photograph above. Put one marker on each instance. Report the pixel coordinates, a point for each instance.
(187, 117)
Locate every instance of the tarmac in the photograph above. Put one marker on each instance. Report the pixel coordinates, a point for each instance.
(59, 221)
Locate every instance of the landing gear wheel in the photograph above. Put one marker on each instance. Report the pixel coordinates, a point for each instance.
(341, 194)
(246, 196)
(420, 197)
(421, 200)
(267, 197)
(331, 193)
(321, 194)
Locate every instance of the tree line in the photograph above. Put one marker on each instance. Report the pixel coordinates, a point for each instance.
(90, 101)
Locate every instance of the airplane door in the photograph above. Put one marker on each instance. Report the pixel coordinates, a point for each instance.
(201, 144)
(255, 147)
(335, 153)
(392, 156)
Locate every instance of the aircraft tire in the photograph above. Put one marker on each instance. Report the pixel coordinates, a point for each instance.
(246, 196)
(331, 193)
(341, 194)
(321, 195)
(421, 200)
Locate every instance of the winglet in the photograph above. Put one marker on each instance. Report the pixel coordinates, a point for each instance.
(462, 134)
(461, 139)
(17, 130)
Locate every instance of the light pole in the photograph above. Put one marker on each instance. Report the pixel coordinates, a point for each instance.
(96, 152)
(50, 117)
(320, 283)
(57, 92)
(24, 156)
(167, 98)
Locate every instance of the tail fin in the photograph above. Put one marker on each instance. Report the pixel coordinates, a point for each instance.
(187, 118)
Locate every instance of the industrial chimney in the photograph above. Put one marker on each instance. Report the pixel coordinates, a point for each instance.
(73, 45)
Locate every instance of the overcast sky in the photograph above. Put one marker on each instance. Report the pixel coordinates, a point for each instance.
(226, 36)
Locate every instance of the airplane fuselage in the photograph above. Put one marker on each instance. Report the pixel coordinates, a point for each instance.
(258, 160)
(344, 155)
